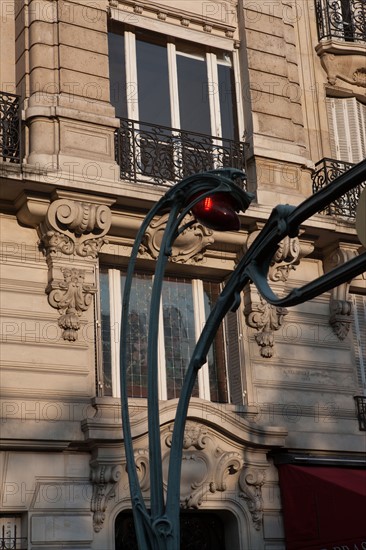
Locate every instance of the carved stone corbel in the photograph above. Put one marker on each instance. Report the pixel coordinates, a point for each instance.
(340, 306)
(264, 317)
(104, 477)
(250, 483)
(75, 227)
(71, 236)
(188, 248)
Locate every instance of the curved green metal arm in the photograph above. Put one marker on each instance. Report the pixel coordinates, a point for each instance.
(159, 529)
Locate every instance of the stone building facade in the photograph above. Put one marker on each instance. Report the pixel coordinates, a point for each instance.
(104, 104)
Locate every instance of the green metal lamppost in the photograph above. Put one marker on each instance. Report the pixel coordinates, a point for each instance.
(214, 198)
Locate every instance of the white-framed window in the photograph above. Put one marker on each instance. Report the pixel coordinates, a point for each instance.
(347, 128)
(185, 305)
(174, 83)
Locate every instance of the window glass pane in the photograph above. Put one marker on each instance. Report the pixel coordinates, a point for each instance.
(227, 98)
(216, 354)
(106, 333)
(179, 332)
(193, 92)
(153, 82)
(117, 75)
(138, 319)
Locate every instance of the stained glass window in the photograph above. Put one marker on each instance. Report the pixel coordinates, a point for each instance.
(185, 305)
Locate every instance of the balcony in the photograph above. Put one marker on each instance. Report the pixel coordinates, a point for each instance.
(341, 19)
(163, 156)
(10, 120)
(326, 170)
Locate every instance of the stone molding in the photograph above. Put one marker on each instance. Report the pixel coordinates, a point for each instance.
(340, 306)
(188, 248)
(222, 27)
(261, 315)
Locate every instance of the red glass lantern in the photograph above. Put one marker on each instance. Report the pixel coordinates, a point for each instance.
(218, 212)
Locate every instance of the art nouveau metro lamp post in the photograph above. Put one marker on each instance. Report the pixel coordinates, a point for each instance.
(214, 198)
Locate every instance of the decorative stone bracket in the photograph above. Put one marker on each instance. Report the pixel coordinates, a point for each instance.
(264, 317)
(71, 236)
(250, 483)
(104, 477)
(340, 306)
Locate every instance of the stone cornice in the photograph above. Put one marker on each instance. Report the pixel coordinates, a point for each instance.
(178, 23)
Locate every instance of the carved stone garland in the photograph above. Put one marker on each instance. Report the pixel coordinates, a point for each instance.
(340, 306)
(71, 237)
(264, 317)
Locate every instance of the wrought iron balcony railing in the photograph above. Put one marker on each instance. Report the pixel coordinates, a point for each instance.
(10, 121)
(161, 155)
(13, 543)
(341, 19)
(326, 170)
(361, 411)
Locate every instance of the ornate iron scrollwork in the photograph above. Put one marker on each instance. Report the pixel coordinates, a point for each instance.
(162, 155)
(327, 170)
(9, 127)
(341, 19)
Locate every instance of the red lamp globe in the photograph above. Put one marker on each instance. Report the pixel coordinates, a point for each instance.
(217, 212)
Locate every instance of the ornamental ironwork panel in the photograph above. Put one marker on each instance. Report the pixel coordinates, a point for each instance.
(327, 170)
(9, 127)
(361, 412)
(161, 155)
(341, 19)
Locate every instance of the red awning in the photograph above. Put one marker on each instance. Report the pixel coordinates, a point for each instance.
(324, 507)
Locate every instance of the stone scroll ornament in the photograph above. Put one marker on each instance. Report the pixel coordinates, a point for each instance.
(71, 237)
(261, 315)
(104, 478)
(75, 227)
(251, 481)
(211, 466)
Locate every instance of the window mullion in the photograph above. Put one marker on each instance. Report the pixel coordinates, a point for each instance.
(238, 96)
(131, 76)
(173, 85)
(162, 383)
(213, 94)
(199, 319)
(115, 305)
